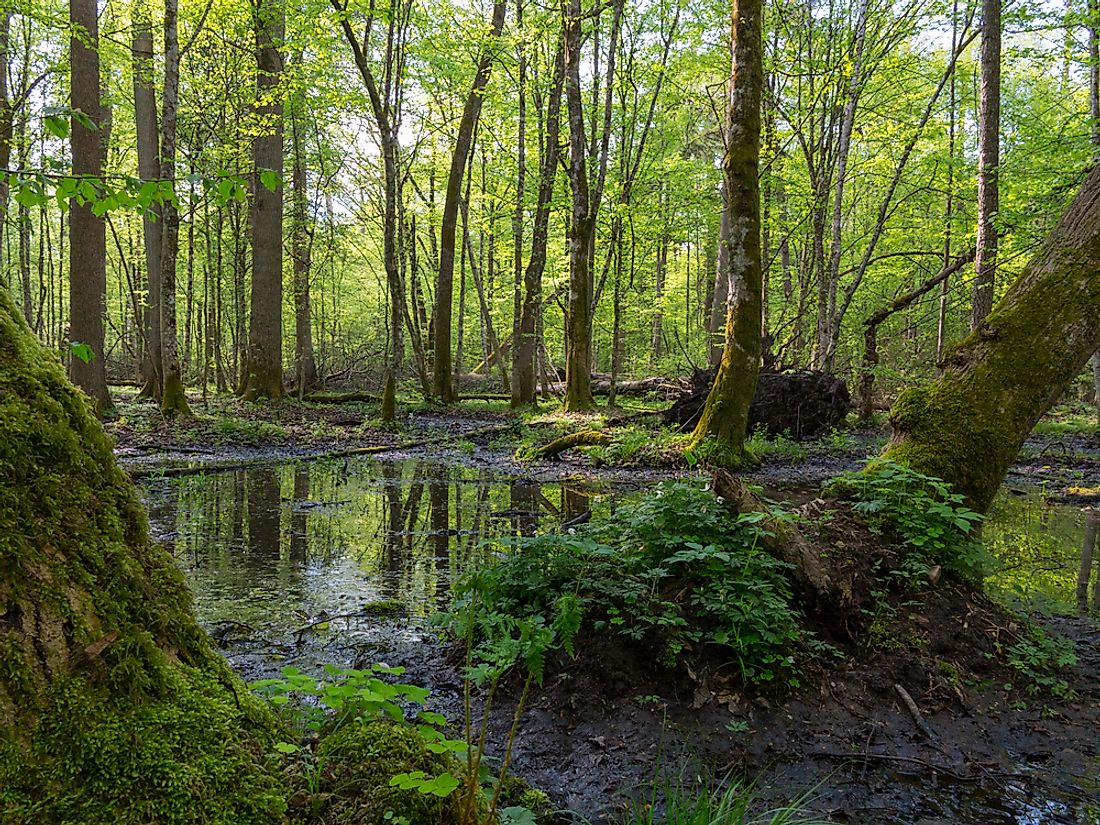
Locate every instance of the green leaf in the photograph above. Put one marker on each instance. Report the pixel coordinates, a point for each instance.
(57, 125)
(271, 180)
(82, 351)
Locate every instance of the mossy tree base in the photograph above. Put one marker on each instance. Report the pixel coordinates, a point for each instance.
(967, 428)
(114, 707)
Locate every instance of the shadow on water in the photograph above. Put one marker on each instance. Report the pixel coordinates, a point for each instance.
(339, 561)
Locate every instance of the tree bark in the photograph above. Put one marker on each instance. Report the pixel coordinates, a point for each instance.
(264, 367)
(586, 204)
(173, 399)
(725, 415)
(444, 291)
(968, 426)
(989, 127)
(718, 306)
(301, 252)
(523, 358)
(87, 233)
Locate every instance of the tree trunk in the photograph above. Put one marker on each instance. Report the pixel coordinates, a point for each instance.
(968, 426)
(264, 367)
(718, 306)
(87, 233)
(444, 292)
(305, 367)
(526, 343)
(989, 126)
(173, 399)
(725, 415)
(99, 641)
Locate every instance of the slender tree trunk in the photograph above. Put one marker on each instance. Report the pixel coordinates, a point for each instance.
(989, 127)
(1094, 114)
(726, 412)
(719, 301)
(7, 123)
(444, 292)
(301, 248)
(968, 426)
(521, 191)
(949, 208)
(173, 400)
(525, 345)
(264, 368)
(87, 232)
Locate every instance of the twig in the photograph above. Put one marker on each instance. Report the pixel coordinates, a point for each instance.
(914, 711)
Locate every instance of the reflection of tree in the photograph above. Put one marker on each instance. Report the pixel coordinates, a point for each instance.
(524, 501)
(439, 498)
(263, 513)
(299, 545)
(237, 516)
(575, 501)
(1088, 547)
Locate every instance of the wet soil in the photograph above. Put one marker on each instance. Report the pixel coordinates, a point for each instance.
(604, 726)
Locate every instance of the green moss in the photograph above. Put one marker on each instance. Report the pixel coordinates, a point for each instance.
(192, 756)
(357, 763)
(114, 707)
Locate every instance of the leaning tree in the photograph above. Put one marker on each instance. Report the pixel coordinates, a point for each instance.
(968, 426)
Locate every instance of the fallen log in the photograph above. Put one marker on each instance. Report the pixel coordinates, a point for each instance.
(341, 397)
(588, 438)
(781, 540)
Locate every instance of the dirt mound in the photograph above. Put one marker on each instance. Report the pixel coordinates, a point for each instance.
(800, 403)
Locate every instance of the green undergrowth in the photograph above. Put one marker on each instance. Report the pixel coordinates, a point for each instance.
(928, 517)
(672, 570)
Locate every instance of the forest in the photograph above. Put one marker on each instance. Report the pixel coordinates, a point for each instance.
(585, 412)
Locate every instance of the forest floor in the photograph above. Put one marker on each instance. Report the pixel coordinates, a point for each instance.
(997, 748)
(1062, 457)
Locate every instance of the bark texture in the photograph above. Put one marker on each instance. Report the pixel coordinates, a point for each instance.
(726, 413)
(263, 376)
(968, 426)
(989, 152)
(88, 250)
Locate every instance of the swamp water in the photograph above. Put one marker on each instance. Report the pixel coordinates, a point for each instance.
(344, 561)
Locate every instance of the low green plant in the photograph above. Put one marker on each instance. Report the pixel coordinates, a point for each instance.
(1039, 658)
(361, 698)
(708, 802)
(760, 445)
(673, 568)
(246, 430)
(924, 512)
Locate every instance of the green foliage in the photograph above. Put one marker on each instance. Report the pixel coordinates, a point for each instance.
(671, 569)
(230, 428)
(781, 446)
(1039, 658)
(925, 513)
(707, 802)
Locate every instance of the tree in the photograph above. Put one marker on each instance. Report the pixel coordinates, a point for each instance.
(88, 258)
(263, 374)
(523, 357)
(725, 415)
(305, 366)
(444, 291)
(968, 426)
(989, 150)
(113, 701)
(145, 123)
(173, 399)
(586, 203)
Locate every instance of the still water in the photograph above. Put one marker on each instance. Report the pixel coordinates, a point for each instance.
(340, 561)
(297, 561)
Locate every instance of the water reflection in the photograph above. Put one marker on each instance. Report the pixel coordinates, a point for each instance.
(1084, 571)
(268, 551)
(1047, 552)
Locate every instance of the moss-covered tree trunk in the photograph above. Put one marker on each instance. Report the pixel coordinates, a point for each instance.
(968, 426)
(113, 705)
(725, 415)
